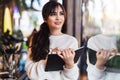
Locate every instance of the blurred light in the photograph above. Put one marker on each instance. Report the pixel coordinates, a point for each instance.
(36, 4)
(7, 21)
(28, 2)
(16, 17)
(60, 1)
(25, 39)
(16, 12)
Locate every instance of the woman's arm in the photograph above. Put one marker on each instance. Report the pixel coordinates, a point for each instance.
(102, 57)
(34, 70)
(93, 72)
(70, 74)
(71, 70)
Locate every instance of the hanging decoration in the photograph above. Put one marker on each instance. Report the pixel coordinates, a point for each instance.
(7, 21)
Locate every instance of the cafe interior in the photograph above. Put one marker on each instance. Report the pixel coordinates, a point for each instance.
(19, 18)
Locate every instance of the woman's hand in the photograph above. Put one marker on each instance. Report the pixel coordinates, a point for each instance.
(56, 51)
(68, 56)
(103, 56)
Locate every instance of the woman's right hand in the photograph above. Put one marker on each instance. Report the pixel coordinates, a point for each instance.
(68, 56)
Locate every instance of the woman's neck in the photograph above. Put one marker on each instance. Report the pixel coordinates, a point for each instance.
(56, 33)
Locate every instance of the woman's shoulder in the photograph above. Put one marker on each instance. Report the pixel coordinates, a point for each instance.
(94, 41)
(96, 37)
(101, 37)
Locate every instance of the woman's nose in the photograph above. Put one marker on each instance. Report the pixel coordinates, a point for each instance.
(57, 16)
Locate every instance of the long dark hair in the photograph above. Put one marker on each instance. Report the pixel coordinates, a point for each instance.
(40, 41)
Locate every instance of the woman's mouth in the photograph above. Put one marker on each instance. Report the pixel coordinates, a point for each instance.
(57, 23)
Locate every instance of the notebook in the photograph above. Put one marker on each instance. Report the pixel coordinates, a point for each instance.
(54, 62)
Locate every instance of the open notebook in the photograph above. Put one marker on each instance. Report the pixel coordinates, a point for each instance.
(54, 62)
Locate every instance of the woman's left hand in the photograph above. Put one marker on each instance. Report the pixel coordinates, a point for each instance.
(68, 56)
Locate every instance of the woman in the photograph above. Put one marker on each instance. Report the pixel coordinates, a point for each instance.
(51, 38)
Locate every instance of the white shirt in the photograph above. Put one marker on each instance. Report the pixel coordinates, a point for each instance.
(35, 70)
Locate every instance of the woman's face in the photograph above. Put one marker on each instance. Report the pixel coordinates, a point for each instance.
(56, 19)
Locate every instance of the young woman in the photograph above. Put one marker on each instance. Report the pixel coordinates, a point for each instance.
(51, 38)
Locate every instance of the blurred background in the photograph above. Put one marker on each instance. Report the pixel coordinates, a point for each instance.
(19, 18)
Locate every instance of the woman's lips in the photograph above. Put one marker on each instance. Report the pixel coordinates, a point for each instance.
(57, 23)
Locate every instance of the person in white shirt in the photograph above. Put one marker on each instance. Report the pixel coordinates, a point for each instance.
(51, 38)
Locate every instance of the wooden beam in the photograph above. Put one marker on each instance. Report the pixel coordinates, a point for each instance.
(69, 17)
(78, 20)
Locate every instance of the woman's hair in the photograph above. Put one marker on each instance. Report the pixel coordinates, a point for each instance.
(40, 40)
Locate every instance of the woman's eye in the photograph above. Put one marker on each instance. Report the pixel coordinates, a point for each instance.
(61, 13)
(52, 14)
